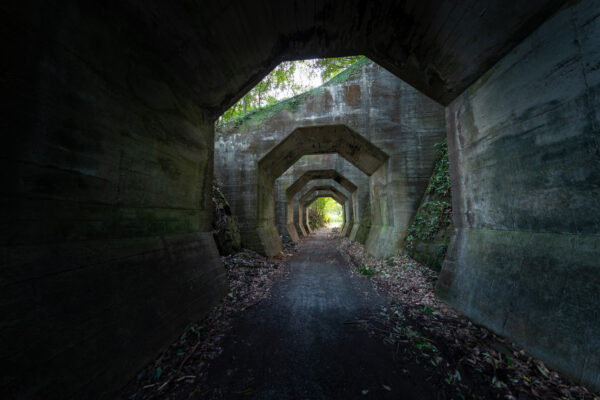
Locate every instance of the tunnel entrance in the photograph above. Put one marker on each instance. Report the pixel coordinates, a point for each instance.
(309, 140)
(312, 175)
(326, 211)
(111, 151)
(313, 194)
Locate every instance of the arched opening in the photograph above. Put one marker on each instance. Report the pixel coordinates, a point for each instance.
(334, 192)
(108, 179)
(308, 140)
(301, 182)
(325, 209)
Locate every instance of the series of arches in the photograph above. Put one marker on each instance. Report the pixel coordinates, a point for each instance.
(298, 186)
(110, 146)
(302, 141)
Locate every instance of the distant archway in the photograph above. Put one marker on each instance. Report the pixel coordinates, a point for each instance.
(305, 223)
(301, 182)
(303, 141)
(339, 197)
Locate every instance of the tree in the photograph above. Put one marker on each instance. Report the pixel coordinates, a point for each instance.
(283, 82)
(323, 211)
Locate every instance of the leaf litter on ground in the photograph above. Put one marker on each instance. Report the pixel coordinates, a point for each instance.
(184, 364)
(465, 360)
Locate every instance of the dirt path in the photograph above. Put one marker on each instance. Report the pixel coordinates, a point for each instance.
(302, 343)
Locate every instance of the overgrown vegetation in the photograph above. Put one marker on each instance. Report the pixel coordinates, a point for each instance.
(434, 217)
(288, 79)
(225, 228)
(324, 211)
(461, 359)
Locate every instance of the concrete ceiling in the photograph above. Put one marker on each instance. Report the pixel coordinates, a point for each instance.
(222, 49)
(308, 176)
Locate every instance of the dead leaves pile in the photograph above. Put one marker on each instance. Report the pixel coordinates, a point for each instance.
(465, 360)
(183, 366)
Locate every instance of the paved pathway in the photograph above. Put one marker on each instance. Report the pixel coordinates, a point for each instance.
(299, 343)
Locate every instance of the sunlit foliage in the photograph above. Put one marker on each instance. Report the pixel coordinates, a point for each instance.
(288, 79)
(325, 211)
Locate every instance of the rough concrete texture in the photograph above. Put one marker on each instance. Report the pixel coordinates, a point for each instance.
(525, 156)
(106, 248)
(438, 47)
(360, 202)
(322, 139)
(107, 154)
(301, 182)
(365, 106)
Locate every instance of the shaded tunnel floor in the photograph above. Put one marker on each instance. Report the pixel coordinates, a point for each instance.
(327, 332)
(301, 343)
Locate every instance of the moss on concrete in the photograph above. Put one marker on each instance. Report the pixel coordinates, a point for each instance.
(257, 116)
(429, 234)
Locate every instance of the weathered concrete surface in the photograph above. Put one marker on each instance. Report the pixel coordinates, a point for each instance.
(106, 247)
(301, 182)
(376, 106)
(525, 155)
(361, 206)
(436, 46)
(107, 154)
(321, 139)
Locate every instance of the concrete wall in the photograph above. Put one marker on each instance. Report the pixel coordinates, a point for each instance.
(360, 203)
(369, 100)
(338, 193)
(107, 157)
(106, 249)
(524, 145)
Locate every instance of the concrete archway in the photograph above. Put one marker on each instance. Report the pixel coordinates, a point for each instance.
(340, 198)
(307, 140)
(301, 182)
(115, 112)
(309, 202)
(311, 199)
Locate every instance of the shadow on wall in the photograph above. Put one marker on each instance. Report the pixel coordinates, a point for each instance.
(225, 227)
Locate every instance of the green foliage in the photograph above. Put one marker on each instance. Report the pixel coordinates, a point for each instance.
(435, 214)
(439, 184)
(366, 271)
(330, 67)
(323, 211)
(282, 82)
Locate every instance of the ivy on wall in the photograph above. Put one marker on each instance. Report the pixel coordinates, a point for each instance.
(429, 233)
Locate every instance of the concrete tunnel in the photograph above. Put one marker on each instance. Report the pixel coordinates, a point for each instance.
(109, 150)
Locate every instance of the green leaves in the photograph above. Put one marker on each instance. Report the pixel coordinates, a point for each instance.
(435, 213)
(323, 211)
(330, 67)
(284, 82)
(366, 271)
